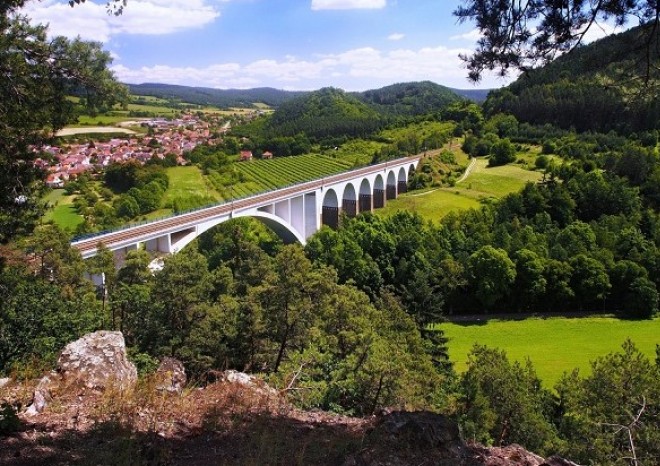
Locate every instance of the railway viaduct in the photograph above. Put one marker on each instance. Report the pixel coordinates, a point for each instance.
(294, 213)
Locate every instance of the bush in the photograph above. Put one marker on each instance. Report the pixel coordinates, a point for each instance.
(502, 152)
(542, 162)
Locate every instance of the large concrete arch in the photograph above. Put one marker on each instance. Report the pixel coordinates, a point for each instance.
(283, 229)
(330, 209)
(349, 200)
(365, 199)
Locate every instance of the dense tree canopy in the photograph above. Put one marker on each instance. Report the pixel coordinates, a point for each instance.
(521, 34)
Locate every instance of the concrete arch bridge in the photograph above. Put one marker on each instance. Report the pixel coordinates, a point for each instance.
(294, 213)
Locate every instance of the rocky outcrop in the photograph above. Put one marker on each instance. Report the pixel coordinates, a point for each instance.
(403, 438)
(97, 360)
(248, 381)
(171, 376)
(41, 397)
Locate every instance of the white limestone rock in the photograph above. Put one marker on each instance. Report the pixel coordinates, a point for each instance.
(97, 360)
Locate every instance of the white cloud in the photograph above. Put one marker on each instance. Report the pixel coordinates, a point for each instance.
(356, 69)
(150, 17)
(600, 30)
(396, 36)
(348, 4)
(472, 36)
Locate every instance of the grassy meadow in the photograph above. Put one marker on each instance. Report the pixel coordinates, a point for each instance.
(482, 183)
(186, 181)
(553, 344)
(61, 211)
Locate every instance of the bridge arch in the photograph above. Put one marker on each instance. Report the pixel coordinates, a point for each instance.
(281, 227)
(379, 192)
(391, 185)
(349, 200)
(330, 209)
(402, 181)
(365, 196)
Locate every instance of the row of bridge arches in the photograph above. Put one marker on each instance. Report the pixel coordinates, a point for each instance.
(354, 198)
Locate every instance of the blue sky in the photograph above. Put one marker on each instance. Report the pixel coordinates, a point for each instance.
(286, 44)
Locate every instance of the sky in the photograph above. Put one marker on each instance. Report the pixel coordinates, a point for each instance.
(353, 45)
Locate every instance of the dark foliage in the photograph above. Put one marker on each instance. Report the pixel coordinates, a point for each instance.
(223, 98)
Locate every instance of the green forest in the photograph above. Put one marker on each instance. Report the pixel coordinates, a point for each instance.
(348, 323)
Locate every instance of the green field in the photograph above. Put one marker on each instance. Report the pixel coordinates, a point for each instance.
(496, 181)
(62, 213)
(482, 183)
(432, 204)
(554, 345)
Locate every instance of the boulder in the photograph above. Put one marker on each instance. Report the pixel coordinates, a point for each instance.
(171, 376)
(97, 360)
(248, 381)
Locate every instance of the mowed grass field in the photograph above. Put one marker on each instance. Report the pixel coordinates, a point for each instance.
(62, 212)
(555, 344)
(481, 183)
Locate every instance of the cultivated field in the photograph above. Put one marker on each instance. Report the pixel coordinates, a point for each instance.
(255, 176)
(554, 345)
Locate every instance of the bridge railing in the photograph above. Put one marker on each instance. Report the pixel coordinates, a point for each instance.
(88, 236)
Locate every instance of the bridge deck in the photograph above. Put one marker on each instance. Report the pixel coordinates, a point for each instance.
(136, 232)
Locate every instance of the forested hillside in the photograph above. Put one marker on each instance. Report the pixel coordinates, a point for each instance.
(589, 89)
(223, 98)
(409, 99)
(323, 114)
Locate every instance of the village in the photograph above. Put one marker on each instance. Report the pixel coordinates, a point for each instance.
(164, 138)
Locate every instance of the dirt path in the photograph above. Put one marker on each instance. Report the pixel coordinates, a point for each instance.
(469, 168)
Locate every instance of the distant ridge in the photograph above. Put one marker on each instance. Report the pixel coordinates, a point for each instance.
(476, 95)
(413, 97)
(223, 98)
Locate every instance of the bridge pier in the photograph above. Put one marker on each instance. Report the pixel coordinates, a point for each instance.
(311, 215)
